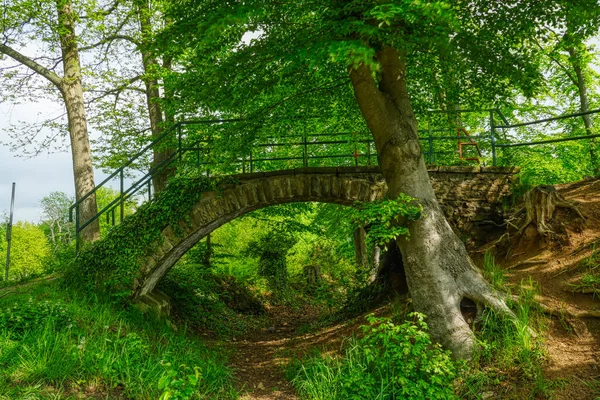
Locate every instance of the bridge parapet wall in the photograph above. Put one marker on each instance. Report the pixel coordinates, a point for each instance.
(473, 198)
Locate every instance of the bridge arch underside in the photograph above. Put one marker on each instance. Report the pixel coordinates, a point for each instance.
(471, 198)
(254, 191)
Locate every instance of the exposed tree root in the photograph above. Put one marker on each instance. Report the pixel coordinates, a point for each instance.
(584, 290)
(540, 203)
(539, 209)
(526, 262)
(561, 312)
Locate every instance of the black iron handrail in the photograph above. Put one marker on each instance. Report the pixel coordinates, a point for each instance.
(251, 160)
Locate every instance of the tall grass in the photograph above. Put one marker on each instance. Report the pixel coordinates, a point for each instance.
(94, 350)
(511, 356)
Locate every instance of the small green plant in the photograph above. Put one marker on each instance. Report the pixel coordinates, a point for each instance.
(179, 383)
(389, 362)
(509, 354)
(386, 219)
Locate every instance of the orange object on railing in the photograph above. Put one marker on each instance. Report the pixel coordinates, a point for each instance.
(470, 142)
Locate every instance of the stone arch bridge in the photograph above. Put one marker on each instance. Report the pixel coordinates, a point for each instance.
(470, 196)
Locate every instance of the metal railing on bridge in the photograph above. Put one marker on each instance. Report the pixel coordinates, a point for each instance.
(194, 144)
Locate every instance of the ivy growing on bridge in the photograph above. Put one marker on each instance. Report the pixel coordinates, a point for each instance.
(111, 265)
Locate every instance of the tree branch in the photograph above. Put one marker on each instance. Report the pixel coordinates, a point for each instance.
(31, 64)
(110, 39)
(557, 62)
(341, 82)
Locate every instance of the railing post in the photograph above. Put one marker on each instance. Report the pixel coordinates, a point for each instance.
(76, 228)
(305, 150)
(493, 136)
(430, 140)
(251, 163)
(122, 189)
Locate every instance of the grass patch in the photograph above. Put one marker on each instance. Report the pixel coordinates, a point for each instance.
(510, 359)
(55, 345)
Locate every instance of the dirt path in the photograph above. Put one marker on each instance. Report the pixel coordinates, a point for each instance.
(260, 360)
(573, 344)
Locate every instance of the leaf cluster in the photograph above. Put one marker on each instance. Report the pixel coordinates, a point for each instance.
(389, 361)
(385, 220)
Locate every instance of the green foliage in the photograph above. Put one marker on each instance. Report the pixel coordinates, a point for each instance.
(272, 249)
(386, 219)
(21, 317)
(54, 343)
(179, 384)
(110, 265)
(492, 272)
(207, 300)
(510, 354)
(29, 250)
(389, 361)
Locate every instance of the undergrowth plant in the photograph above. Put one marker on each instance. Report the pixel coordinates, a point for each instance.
(391, 361)
(589, 282)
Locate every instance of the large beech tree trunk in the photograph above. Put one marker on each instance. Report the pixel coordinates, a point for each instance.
(72, 93)
(438, 269)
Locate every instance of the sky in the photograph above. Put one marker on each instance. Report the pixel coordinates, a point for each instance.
(34, 177)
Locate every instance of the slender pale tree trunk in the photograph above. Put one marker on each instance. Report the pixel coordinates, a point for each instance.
(72, 93)
(581, 83)
(438, 269)
(155, 114)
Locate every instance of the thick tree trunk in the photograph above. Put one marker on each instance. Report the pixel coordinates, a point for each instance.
(360, 249)
(72, 93)
(584, 105)
(155, 114)
(375, 264)
(438, 269)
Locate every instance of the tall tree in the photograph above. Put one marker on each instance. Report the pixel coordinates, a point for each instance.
(320, 55)
(564, 43)
(21, 21)
(127, 101)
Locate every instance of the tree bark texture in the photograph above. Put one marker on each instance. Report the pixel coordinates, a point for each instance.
(360, 249)
(155, 114)
(72, 93)
(438, 269)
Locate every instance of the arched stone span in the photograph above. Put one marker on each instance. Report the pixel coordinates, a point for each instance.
(343, 185)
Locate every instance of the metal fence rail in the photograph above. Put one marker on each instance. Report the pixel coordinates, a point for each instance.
(192, 149)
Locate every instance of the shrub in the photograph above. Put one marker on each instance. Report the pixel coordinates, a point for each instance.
(28, 252)
(389, 362)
